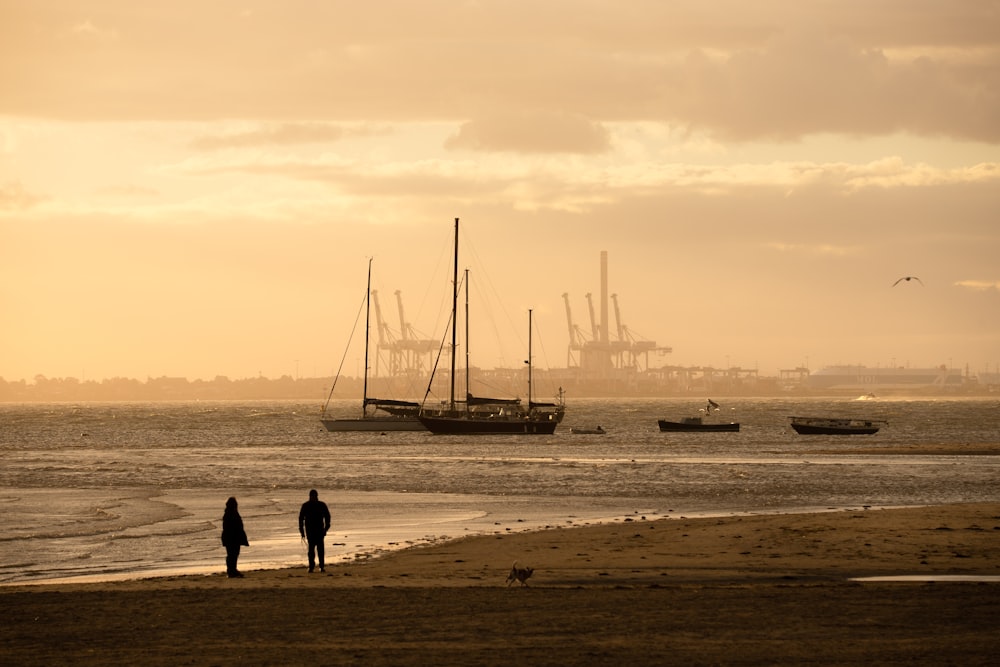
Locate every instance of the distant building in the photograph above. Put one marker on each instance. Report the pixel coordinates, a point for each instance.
(867, 379)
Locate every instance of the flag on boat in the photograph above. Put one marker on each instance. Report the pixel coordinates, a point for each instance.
(712, 404)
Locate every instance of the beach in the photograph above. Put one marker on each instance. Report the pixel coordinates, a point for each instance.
(738, 589)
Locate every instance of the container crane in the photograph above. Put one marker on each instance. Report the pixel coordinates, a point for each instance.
(604, 354)
(576, 336)
(386, 339)
(620, 345)
(593, 318)
(631, 344)
(411, 347)
(402, 318)
(406, 351)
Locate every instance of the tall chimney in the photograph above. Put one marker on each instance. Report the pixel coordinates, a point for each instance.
(604, 296)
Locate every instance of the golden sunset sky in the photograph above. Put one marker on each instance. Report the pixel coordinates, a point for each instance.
(193, 189)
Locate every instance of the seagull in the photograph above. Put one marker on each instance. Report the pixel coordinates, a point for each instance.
(908, 278)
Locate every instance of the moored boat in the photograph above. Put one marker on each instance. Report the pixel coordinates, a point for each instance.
(699, 423)
(492, 419)
(377, 414)
(599, 430)
(488, 416)
(836, 426)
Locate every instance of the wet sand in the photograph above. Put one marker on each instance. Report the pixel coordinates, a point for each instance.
(760, 589)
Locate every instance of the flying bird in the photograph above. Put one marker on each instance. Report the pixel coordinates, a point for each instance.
(908, 278)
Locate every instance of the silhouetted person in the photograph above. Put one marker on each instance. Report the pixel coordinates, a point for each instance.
(314, 521)
(233, 537)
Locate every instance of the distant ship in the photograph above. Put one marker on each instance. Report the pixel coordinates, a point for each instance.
(867, 379)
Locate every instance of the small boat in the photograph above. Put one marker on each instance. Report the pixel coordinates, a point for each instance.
(487, 416)
(699, 423)
(385, 414)
(836, 426)
(588, 431)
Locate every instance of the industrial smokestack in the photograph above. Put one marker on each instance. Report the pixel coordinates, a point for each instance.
(604, 296)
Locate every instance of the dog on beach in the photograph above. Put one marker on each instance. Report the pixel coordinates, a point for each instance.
(519, 574)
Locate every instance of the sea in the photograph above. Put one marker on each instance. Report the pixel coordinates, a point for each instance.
(109, 491)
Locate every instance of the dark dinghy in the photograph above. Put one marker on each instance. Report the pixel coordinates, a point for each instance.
(836, 426)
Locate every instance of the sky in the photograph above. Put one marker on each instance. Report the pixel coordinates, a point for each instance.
(192, 189)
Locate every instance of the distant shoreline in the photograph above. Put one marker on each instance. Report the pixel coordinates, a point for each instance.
(71, 390)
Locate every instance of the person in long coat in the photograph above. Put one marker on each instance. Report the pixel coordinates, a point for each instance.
(233, 537)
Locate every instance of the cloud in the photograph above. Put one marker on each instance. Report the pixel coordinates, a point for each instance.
(13, 197)
(128, 191)
(804, 82)
(87, 30)
(979, 285)
(565, 174)
(274, 134)
(532, 133)
(738, 71)
(825, 249)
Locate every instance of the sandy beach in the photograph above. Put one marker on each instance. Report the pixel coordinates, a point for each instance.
(770, 588)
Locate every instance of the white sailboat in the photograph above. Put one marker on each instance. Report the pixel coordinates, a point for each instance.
(377, 414)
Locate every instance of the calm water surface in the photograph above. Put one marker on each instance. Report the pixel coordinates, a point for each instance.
(114, 490)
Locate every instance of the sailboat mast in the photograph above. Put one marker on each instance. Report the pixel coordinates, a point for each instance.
(529, 359)
(368, 317)
(454, 322)
(467, 373)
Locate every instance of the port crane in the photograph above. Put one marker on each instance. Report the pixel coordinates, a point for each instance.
(600, 353)
(407, 352)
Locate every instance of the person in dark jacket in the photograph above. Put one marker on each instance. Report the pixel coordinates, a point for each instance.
(233, 537)
(314, 521)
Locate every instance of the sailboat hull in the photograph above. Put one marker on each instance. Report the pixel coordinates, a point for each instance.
(373, 424)
(462, 425)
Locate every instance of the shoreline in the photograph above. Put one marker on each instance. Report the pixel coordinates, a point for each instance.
(374, 552)
(741, 589)
(815, 543)
(358, 537)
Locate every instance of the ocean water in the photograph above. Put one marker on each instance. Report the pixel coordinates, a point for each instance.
(101, 491)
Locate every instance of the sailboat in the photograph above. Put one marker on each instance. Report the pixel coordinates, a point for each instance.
(481, 416)
(377, 414)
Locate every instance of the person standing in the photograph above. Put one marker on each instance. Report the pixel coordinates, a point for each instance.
(233, 537)
(314, 521)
